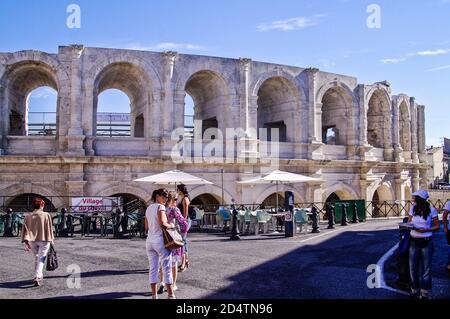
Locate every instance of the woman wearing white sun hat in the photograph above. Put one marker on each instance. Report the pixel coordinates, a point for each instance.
(425, 220)
(447, 230)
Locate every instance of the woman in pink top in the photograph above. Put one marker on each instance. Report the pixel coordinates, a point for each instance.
(174, 214)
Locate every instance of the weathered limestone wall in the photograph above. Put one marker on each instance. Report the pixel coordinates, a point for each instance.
(381, 138)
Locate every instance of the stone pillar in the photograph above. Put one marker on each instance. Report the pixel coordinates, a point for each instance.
(248, 103)
(396, 130)
(421, 134)
(169, 66)
(314, 107)
(75, 135)
(399, 193)
(416, 180)
(249, 113)
(414, 144)
(363, 108)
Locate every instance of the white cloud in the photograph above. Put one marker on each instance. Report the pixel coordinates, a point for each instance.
(433, 52)
(392, 61)
(327, 63)
(445, 67)
(291, 24)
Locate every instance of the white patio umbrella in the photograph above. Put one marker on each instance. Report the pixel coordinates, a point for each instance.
(173, 178)
(280, 177)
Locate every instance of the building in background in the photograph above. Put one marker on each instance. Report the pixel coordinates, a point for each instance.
(360, 139)
(439, 160)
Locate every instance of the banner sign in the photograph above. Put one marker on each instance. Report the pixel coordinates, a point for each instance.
(84, 205)
(116, 118)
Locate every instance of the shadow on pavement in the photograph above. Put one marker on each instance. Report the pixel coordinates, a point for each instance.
(335, 268)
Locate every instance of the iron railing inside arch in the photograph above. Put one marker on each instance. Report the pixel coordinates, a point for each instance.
(108, 124)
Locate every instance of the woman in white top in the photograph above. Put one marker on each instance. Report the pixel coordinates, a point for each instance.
(155, 219)
(447, 230)
(425, 219)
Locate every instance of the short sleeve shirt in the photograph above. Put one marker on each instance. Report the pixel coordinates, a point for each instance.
(155, 233)
(419, 222)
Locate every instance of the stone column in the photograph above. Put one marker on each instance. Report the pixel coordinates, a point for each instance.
(363, 107)
(75, 136)
(416, 180)
(249, 113)
(423, 176)
(414, 144)
(315, 108)
(169, 66)
(421, 134)
(396, 130)
(399, 193)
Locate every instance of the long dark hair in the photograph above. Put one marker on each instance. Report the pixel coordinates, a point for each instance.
(422, 207)
(182, 188)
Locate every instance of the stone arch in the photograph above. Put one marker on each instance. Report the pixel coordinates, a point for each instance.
(385, 191)
(22, 75)
(126, 189)
(147, 67)
(344, 191)
(132, 80)
(338, 107)
(45, 191)
(282, 188)
(300, 91)
(279, 106)
(213, 190)
(212, 100)
(379, 118)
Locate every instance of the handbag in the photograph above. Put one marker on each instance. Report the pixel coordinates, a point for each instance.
(172, 239)
(52, 259)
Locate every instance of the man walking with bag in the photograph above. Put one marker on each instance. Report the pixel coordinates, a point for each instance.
(37, 235)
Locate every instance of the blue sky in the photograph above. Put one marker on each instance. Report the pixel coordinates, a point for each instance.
(411, 49)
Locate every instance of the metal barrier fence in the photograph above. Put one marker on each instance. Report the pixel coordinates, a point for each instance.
(22, 204)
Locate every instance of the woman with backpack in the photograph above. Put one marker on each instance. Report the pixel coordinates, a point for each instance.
(425, 220)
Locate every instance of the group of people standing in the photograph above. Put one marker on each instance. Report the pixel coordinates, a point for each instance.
(169, 210)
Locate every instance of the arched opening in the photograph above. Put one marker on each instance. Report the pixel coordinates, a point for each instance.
(42, 106)
(336, 117)
(23, 203)
(277, 105)
(211, 103)
(120, 111)
(207, 202)
(378, 116)
(113, 114)
(132, 203)
(382, 202)
(271, 201)
(404, 127)
(30, 84)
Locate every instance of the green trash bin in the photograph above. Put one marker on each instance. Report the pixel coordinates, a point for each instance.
(350, 204)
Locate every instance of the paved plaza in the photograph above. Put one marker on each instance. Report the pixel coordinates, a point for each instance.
(332, 264)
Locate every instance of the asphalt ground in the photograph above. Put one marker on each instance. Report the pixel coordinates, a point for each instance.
(332, 264)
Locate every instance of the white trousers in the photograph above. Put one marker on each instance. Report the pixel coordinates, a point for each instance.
(157, 254)
(40, 250)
